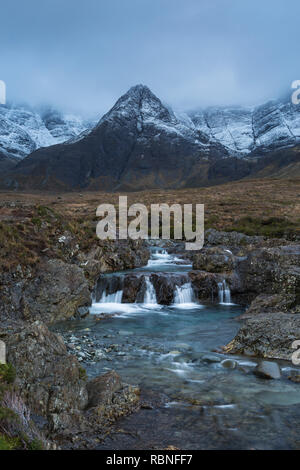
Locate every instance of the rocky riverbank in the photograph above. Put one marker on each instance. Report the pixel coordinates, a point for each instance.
(49, 266)
(264, 275)
(49, 270)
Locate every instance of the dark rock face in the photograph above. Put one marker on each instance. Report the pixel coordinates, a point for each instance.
(138, 144)
(54, 385)
(269, 303)
(205, 284)
(7, 162)
(273, 270)
(234, 241)
(48, 377)
(57, 293)
(101, 389)
(165, 284)
(133, 288)
(267, 335)
(113, 256)
(57, 290)
(215, 259)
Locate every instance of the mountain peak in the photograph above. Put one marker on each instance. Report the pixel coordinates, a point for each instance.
(139, 89)
(139, 93)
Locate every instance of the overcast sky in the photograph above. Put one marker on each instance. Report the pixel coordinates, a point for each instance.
(81, 55)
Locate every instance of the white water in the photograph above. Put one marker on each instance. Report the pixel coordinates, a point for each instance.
(112, 303)
(150, 295)
(115, 298)
(184, 294)
(224, 293)
(163, 258)
(184, 297)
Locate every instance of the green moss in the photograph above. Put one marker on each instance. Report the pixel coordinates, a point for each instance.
(82, 373)
(36, 444)
(7, 373)
(9, 443)
(267, 227)
(36, 221)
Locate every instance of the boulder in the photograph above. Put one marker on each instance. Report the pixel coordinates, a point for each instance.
(205, 284)
(269, 303)
(56, 293)
(55, 387)
(268, 370)
(214, 260)
(274, 270)
(231, 239)
(109, 398)
(267, 335)
(165, 285)
(50, 379)
(101, 389)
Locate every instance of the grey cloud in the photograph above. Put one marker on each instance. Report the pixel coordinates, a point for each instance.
(82, 55)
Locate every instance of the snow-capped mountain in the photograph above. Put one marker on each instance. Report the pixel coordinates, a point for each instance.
(23, 130)
(142, 143)
(273, 125)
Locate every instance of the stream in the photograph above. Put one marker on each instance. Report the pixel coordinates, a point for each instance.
(170, 351)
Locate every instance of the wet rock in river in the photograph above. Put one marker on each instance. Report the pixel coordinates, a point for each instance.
(229, 364)
(267, 335)
(209, 358)
(101, 389)
(268, 370)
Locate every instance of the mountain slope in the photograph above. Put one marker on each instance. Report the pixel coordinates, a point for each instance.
(23, 130)
(141, 144)
(245, 131)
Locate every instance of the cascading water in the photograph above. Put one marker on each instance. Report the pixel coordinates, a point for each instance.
(112, 298)
(224, 293)
(184, 294)
(150, 295)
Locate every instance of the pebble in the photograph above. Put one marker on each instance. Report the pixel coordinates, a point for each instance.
(229, 364)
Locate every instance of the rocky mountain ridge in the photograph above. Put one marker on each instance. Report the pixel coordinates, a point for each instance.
(143, 144)
(24, 129)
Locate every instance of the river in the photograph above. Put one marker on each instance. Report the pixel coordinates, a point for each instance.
(171, 352)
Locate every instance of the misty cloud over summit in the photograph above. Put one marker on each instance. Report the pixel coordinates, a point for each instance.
(81, 56)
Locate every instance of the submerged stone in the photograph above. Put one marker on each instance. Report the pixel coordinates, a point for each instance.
(268, 370)
(229, 364)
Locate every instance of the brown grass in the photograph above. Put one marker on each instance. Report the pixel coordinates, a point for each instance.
(30, 221)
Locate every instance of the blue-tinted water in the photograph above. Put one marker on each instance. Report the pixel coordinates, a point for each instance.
(172, 350)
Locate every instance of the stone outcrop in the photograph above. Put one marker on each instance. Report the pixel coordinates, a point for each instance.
(50, 380)
(113, 256)
(270, 303)
(165, 284)
(55, 386)
(268, 335)
(232, 240)
(272, 271)
(60, 291)
(214, 260)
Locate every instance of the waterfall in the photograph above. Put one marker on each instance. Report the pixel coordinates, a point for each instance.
(184, 294)
(224, 293)
(150, 295)
(115, 298)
